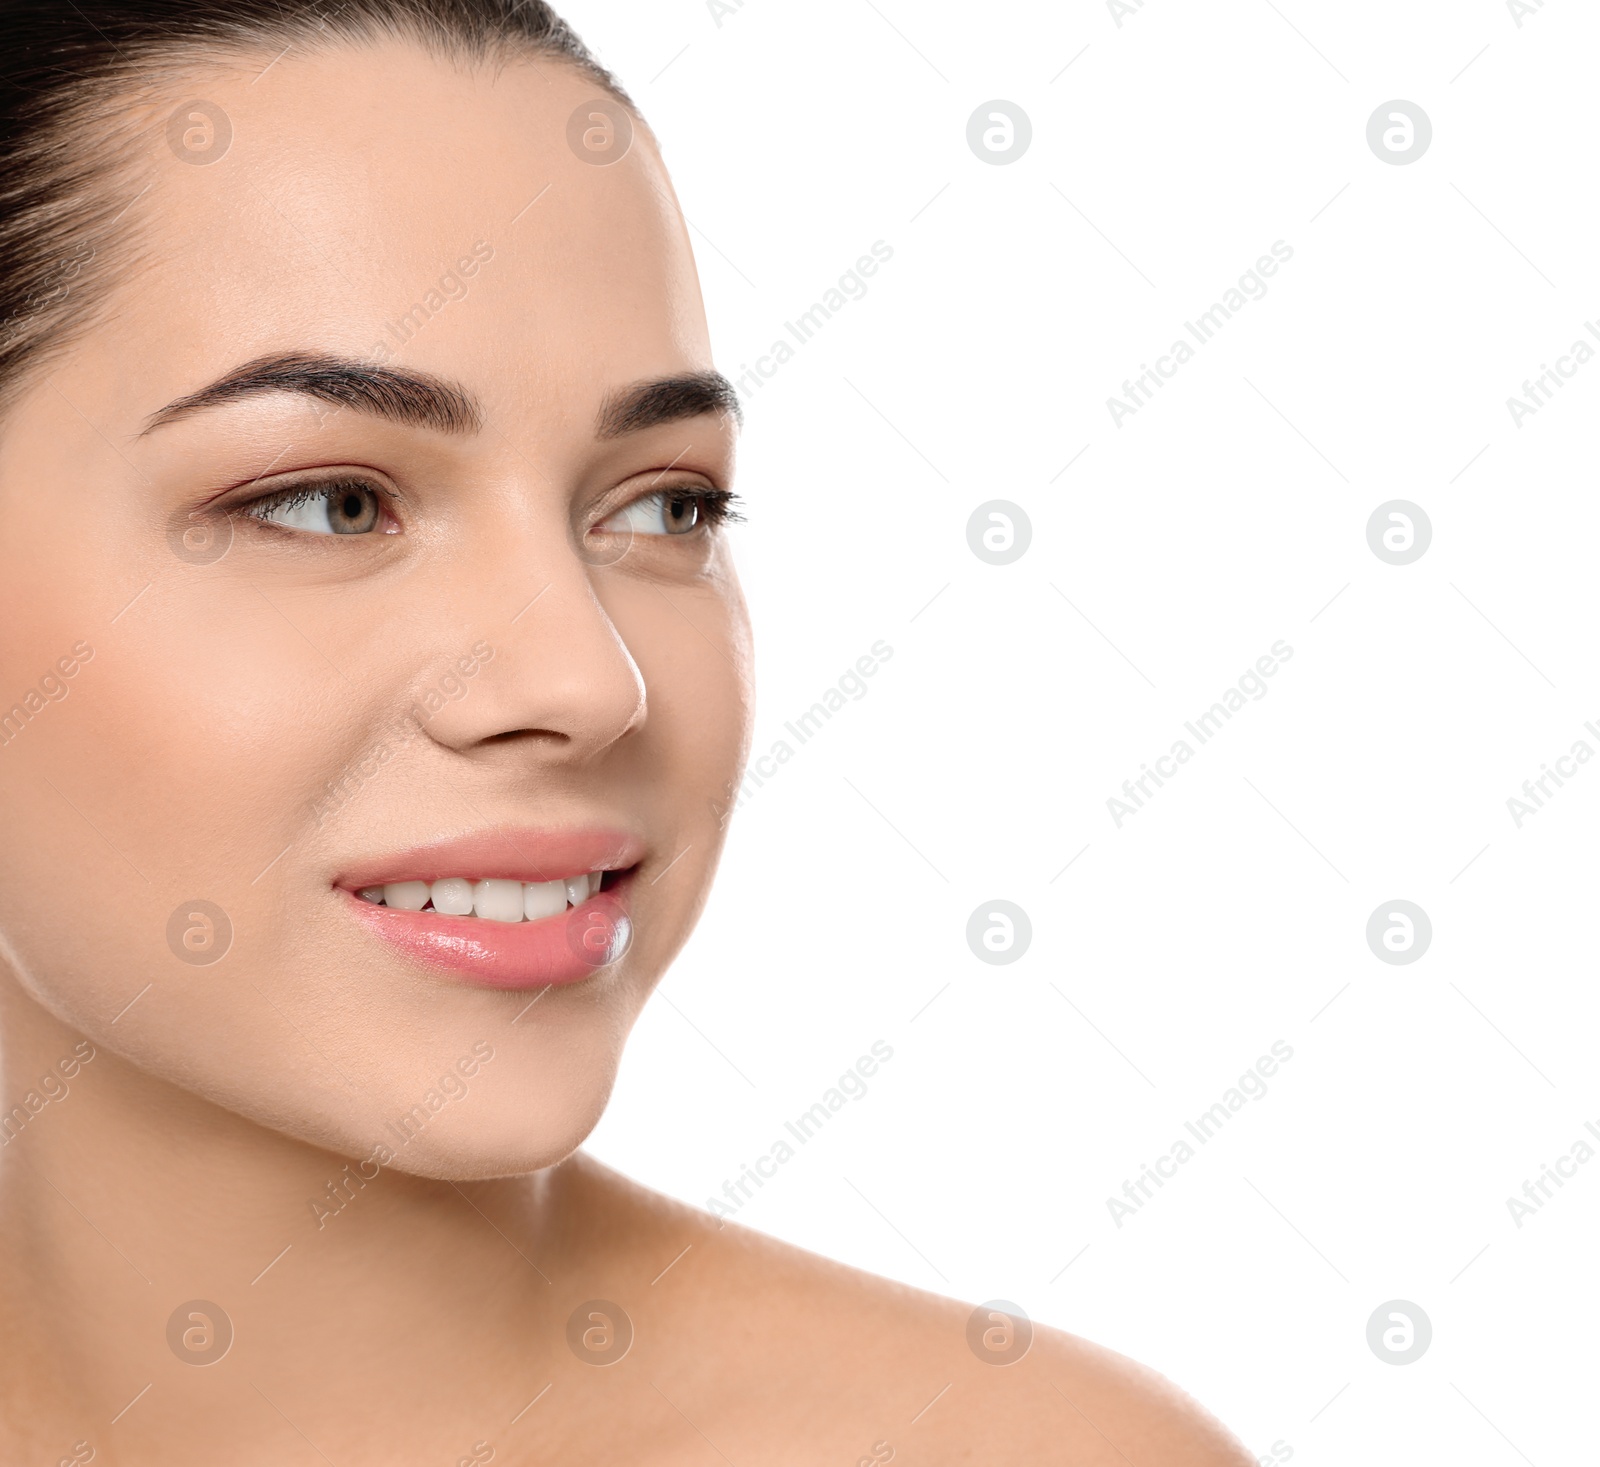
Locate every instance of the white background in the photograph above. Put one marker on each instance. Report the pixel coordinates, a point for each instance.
(1169, 153)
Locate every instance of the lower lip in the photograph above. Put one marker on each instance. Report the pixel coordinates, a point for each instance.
(580, 943)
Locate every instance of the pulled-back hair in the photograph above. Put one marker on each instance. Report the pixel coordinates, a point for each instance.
(80, 86)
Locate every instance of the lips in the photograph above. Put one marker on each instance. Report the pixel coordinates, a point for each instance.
(511, 855)
(503, 950)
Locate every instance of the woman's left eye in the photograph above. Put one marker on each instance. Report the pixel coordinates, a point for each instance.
(670, 512)
(344, 508)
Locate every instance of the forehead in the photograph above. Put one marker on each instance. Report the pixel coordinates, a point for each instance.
(385, 197)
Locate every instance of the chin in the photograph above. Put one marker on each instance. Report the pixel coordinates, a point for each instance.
(482, 1134)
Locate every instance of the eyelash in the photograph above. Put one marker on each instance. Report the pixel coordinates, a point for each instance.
(717, 506)
(258, 509)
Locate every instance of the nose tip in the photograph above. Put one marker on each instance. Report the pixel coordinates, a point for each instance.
(561, 679)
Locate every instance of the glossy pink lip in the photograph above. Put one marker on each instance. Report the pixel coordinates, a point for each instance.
(566, 948)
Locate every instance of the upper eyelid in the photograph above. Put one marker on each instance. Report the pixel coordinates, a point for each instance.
(241, 501)
(640, 488)
(653, 491)
(315, 480)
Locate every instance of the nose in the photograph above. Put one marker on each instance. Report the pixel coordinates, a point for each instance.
(558, 679)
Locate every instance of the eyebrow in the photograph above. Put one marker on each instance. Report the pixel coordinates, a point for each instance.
(418, 399)
(667, 400)
(413, 398)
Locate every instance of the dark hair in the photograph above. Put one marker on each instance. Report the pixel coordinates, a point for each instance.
(79, 80)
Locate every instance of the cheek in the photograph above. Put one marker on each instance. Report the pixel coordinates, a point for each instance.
(183, 762)
(215, 724)
(693, 649)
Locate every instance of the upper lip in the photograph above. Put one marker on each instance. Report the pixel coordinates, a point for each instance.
(507, 853)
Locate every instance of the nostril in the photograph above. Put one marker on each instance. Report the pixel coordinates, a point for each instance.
(535, 735)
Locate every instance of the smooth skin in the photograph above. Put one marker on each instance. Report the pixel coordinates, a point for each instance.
(192, 755)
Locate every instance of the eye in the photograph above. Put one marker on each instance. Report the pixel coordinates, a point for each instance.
(672, 512)
(337, 507)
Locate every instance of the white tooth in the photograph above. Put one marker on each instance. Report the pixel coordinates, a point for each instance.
(498, 901)
(595, 877)
(452, 896)
(578, 890)
(407, 896)
(543, 899)
(373, 894)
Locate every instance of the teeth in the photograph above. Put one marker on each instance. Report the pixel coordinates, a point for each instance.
(452, 896)
(498, 901)
(492, 900)
(543, 899)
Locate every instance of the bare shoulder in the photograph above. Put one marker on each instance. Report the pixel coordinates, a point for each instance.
(772, 1342)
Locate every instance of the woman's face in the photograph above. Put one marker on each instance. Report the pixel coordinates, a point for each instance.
(492, 613)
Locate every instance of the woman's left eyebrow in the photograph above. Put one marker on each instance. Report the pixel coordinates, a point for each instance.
(667, 400)
(412, 398)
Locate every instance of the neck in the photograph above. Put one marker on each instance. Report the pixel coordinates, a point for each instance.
(123, 1198)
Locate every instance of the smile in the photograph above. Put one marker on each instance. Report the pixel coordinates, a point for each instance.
(495, 899)
(555, 911)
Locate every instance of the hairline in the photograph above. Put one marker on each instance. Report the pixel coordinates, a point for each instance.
(129, 97)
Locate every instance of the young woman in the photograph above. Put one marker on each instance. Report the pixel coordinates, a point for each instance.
(372, 670)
